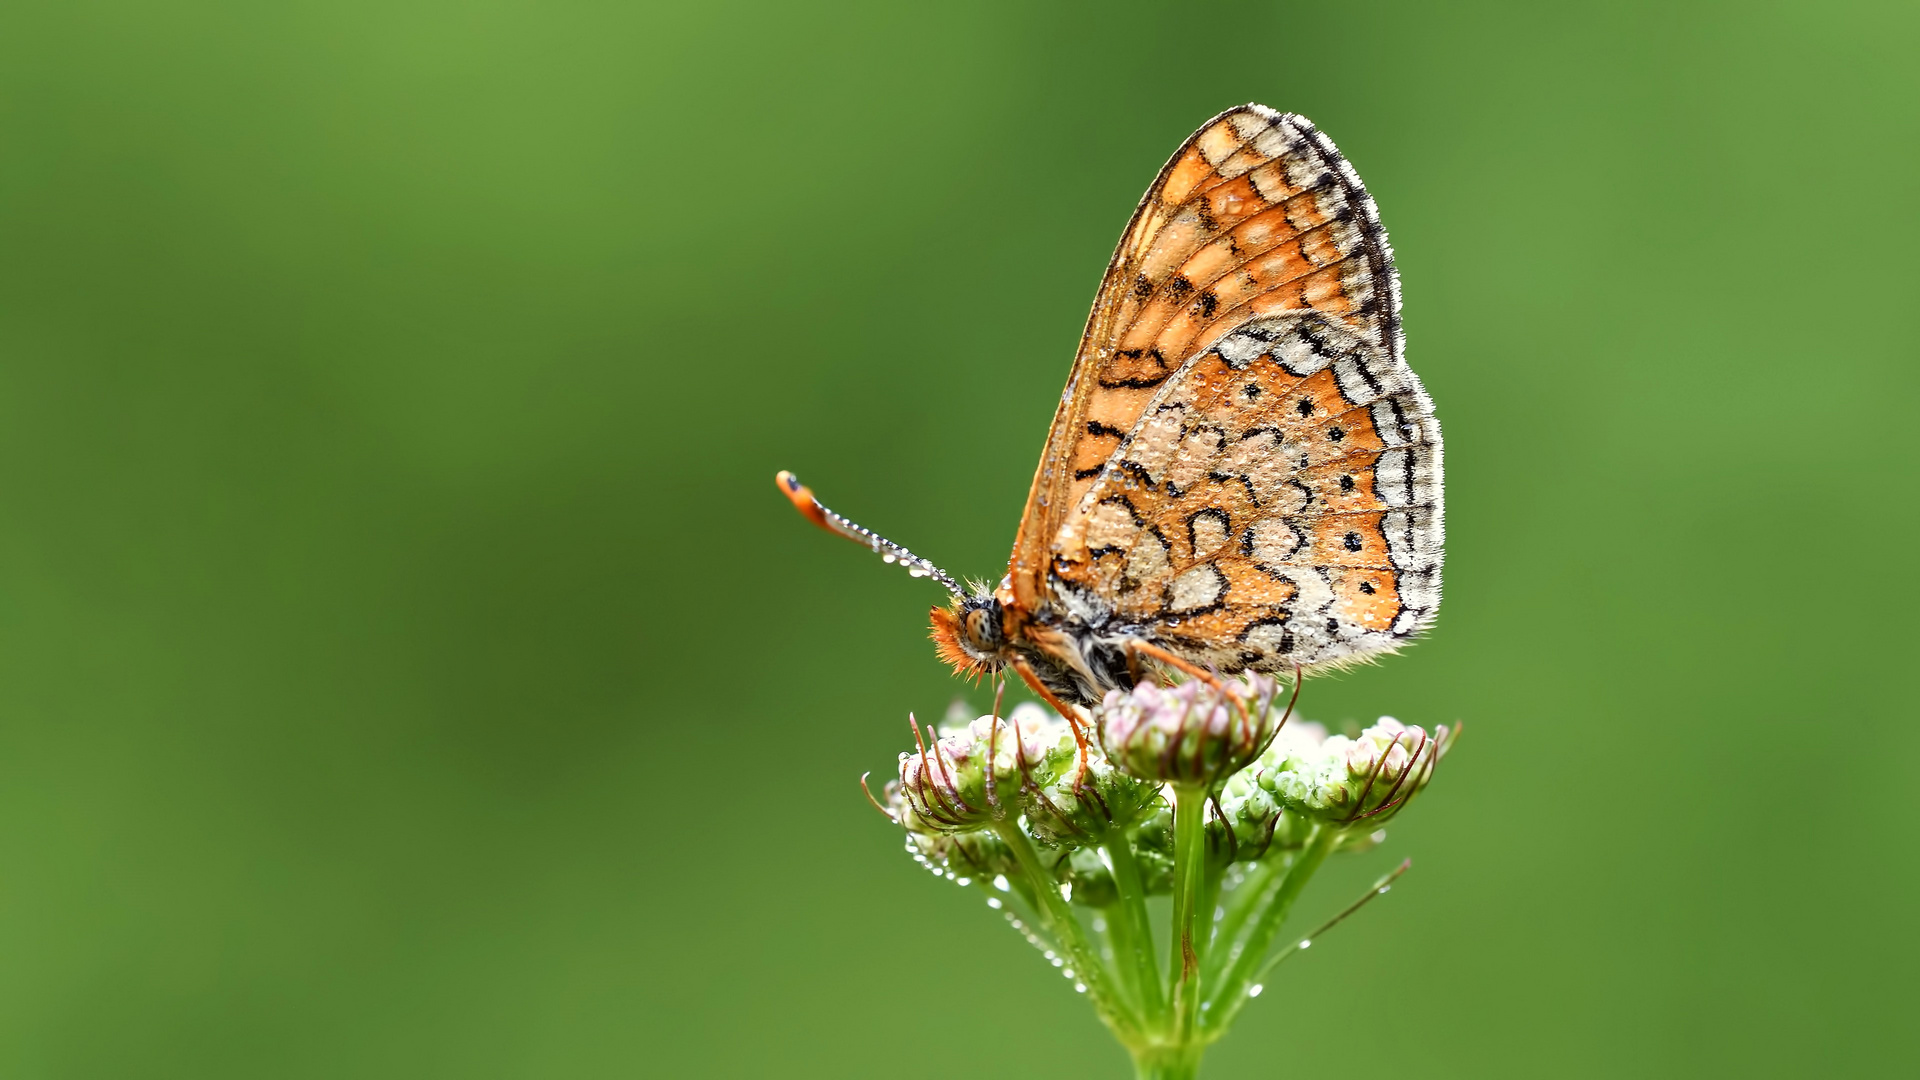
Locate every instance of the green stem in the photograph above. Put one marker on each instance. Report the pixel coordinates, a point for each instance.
(1121, 945)
(1132, 908)
(1231, 993)
(1168, 1062)
(1189, 868)
(1203, 907)
(1247, 897)
(1087, 965)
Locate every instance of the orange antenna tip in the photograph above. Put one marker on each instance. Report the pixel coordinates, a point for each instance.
(801, 496)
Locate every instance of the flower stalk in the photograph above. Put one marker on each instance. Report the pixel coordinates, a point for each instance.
(1131, 911)
(1189, 868)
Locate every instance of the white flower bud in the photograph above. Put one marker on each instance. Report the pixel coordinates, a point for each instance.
(1352, 782)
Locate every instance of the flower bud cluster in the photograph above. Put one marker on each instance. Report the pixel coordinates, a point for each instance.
(1072, 807)
(1351, 781)
(1025, 764)
(1191, 733)
(978, 855)
(1269, 789)
(974, 774)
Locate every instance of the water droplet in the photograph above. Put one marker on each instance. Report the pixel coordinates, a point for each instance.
(1057, 962)
(1068, 972)
(1254, 990)
(1306, 943)
(963, 882)
(993, 902)
(1000, 882)
(1079, 988)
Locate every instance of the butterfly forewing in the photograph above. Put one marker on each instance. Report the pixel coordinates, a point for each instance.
(1243, 466)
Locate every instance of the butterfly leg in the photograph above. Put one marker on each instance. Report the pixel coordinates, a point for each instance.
(1066, 713)
(1136, 647)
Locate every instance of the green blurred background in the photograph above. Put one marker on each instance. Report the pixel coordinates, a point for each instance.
(407, 668)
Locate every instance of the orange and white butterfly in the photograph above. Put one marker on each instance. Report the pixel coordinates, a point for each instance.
(1243, 473)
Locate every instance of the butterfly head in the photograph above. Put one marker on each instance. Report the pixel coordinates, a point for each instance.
(971, 633)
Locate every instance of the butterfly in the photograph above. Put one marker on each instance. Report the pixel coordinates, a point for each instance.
(1243, 473)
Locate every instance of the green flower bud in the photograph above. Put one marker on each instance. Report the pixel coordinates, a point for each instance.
(1067, 805)
(1357, 782)
(1090, 881)
(1153, 848)
(966, 856)
(1250, 820)
(1191, 733)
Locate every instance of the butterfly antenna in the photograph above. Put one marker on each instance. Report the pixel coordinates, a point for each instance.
(813, 510)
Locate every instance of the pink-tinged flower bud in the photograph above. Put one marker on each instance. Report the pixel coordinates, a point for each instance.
(1191, 733)
(970, 777)
(1356, 783)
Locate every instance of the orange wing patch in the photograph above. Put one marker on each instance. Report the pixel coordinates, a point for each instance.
(1256, 215)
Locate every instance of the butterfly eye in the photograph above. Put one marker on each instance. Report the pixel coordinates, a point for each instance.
(982, 625)
(955, 643)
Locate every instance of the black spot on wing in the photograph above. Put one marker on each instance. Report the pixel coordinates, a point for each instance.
(1132, 384)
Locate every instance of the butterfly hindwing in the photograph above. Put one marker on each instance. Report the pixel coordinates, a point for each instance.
(1278, 505)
